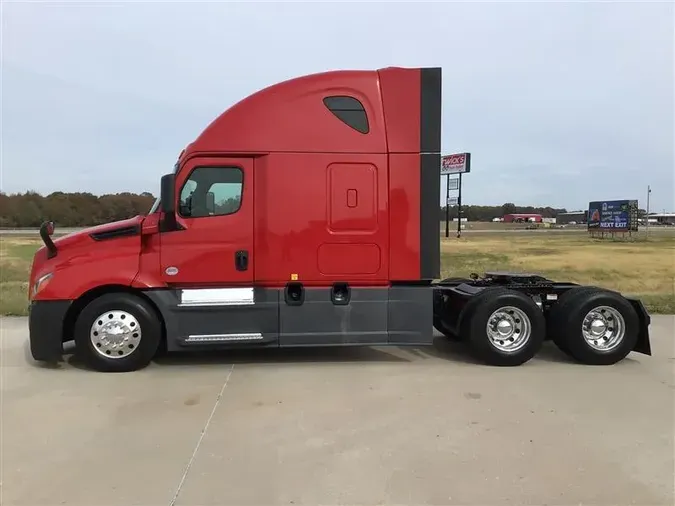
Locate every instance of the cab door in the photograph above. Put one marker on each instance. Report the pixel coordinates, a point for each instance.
(208, 261)
(214, 210)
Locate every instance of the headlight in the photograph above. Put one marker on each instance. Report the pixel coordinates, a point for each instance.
(42, 281)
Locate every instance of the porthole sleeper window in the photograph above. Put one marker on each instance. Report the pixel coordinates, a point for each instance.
(348, 110)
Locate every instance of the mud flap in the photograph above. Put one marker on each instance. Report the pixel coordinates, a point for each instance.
(643, 344)
(45, 329)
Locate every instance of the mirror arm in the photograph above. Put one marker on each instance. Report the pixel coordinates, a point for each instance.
(169, 223)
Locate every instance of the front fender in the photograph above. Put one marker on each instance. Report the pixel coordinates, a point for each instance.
(92, 268)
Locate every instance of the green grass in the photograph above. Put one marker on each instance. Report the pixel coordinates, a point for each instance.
(642, 268)
(14, 299)
(658, 303)
(639, 267)
(16, 255)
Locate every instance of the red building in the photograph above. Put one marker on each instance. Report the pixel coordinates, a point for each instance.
(515, 218)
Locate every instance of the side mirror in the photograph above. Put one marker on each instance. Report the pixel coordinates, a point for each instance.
(168, 194)
(210, 202)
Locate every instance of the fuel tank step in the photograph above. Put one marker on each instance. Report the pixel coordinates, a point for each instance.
(223, 338)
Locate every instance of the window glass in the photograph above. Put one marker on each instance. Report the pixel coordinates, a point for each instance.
(211, 191)
(350, 111)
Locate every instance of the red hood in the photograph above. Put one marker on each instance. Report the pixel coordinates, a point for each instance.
(75, 237)
(106, 254)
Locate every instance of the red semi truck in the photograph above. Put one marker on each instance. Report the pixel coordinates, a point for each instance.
(306, 215)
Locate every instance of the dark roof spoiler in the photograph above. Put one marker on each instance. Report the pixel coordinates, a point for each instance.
(46, 230)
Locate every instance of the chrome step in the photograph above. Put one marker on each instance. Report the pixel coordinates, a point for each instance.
(223, 338)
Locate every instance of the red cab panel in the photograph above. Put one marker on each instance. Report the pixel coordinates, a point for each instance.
(404, 216)
(292, 116)
(322, 217)
(401, 89)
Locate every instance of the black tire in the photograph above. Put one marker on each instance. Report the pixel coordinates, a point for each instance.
(557, 315)
(482, 308)
(138, 349)
(566, 321)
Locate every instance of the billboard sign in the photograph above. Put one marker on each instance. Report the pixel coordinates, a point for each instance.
(454, 184)
(613, 215)
(452, 201)
(456, 164)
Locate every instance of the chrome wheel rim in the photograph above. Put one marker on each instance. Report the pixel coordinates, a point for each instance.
(115, 334)
(603, 328)
(509, 329)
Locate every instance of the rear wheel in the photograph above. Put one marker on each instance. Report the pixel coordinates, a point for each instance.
(506, 328)
(555, 320)
(117, 332)
(594, 326)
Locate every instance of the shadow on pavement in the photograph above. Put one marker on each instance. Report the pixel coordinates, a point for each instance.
(442, 349)
(277, 355)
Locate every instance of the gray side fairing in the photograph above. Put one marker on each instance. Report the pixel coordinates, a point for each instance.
(411, 312)
(182, 323)
(400, 315)
(318, 321)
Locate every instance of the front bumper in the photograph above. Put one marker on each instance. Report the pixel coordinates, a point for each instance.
(45, 328)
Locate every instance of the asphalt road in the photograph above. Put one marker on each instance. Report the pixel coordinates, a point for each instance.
(360, 426)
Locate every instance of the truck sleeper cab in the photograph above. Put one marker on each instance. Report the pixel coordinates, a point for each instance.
(304, 215)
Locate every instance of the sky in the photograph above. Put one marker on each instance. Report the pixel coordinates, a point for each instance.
(559, 103)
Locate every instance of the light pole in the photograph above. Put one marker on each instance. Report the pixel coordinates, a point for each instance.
(459, 208)
(447, 206)
(649, 191)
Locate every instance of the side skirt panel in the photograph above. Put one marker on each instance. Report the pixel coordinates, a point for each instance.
(410, 315)
(218, 318)
(223, 319)
(319, 321)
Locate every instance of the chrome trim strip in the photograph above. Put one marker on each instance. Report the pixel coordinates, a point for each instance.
(217, 297)
(221, 338)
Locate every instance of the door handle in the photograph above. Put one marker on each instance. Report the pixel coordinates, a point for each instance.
(241, 260)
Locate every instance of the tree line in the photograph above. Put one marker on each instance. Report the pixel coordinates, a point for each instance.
(30, 209)
(82, 209)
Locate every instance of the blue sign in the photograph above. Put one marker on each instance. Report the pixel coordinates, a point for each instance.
(613, 215)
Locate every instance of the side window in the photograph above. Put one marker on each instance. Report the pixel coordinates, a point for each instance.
(211, 191)
(348, 110)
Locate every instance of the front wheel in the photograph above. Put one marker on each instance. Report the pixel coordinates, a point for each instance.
(505, 327)
(117, 332)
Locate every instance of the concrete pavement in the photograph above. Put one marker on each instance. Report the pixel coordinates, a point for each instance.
(360, 426)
